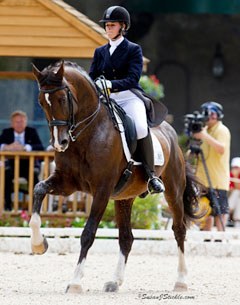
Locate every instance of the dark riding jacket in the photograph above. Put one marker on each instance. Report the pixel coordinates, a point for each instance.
(123, 68)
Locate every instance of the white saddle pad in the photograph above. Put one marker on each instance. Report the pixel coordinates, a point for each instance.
(158, 152)
(157, 148)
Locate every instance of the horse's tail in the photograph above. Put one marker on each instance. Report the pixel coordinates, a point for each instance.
(191, 196)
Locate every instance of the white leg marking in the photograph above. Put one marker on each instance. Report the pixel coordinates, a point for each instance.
(182, 269)
(35, 224)
(78, 273)
(119, 273)
(47, 99)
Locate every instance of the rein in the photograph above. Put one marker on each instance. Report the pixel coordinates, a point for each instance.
(71, 121)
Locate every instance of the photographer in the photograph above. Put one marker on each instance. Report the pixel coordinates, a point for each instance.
(215, 146)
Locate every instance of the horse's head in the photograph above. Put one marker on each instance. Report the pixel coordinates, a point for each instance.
(56, 99)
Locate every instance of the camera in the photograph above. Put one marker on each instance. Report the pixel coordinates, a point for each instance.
(194, 122)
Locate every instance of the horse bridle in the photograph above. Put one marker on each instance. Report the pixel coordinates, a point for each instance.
(71, 121)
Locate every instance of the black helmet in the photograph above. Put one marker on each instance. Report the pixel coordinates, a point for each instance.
(211, 106)
(116, 14)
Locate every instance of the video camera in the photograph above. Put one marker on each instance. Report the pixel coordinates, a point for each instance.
(194, 123)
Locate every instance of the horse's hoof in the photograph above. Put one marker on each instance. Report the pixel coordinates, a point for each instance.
(74, 288)
(180, 287)
(110, 287)
(40, 249)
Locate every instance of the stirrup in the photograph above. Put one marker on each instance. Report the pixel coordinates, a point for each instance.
(153, 189)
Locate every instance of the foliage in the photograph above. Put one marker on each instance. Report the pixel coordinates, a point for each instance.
(145, 212)
(152, 86)
(183, 141)
(17, 221)
(145, 215)
(78, 222)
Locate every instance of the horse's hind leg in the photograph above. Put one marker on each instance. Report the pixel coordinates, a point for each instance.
(175, 187)
(180, 233)
(123, 210)
(179, 229)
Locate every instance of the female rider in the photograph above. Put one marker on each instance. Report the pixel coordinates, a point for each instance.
(120, 62)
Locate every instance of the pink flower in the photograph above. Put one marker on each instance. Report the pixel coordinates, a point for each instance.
(24, 215)
(155, 79)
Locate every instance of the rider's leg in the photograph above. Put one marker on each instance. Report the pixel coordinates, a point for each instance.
(145, 145)
(136, 109)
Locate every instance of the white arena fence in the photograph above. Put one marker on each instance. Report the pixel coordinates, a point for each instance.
(156, 242)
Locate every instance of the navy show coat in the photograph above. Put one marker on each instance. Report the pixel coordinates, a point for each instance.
(123, 68)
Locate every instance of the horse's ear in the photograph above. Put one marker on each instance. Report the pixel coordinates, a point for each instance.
(60, 70)
(36, 72)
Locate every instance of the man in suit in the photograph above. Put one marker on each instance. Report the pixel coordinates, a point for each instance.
(120, 62)
(19, 137)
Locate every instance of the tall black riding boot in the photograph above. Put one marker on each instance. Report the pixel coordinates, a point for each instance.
(145, 145)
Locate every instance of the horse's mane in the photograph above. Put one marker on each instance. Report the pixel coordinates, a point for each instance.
(49, 76)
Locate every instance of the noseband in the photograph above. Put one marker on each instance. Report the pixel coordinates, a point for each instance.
(71, 121)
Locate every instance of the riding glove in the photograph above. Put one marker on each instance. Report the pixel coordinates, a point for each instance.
(103, 84)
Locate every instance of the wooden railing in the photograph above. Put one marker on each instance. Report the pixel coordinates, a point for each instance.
(80, 202)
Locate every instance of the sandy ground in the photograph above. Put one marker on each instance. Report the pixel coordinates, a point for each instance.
(149, 279)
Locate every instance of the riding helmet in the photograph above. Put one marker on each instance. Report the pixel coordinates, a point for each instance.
(211, 106)
(116, 14)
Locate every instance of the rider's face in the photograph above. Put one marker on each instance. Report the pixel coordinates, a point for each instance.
(112, 29)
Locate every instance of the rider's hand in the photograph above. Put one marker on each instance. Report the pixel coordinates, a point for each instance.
(103, 84)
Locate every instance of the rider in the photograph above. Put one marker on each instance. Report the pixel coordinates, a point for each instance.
(120, 62)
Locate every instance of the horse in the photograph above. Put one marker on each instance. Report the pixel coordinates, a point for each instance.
(89, 157)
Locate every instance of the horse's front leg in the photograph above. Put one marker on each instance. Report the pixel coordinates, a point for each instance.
(123, 210)
(38, 241)
(99, 204)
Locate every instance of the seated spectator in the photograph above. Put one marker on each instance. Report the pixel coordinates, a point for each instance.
(234, 197)
(19, 137)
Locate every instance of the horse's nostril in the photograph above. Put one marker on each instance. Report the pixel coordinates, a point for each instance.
(64, 142)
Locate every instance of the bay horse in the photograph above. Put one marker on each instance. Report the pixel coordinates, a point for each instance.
(89, 157)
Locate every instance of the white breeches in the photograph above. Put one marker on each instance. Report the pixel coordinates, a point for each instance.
(135, 108)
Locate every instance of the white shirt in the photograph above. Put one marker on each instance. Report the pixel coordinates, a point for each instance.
(114, 44)
(19, 137)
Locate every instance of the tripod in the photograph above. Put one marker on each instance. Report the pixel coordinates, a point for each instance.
(196, 149)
